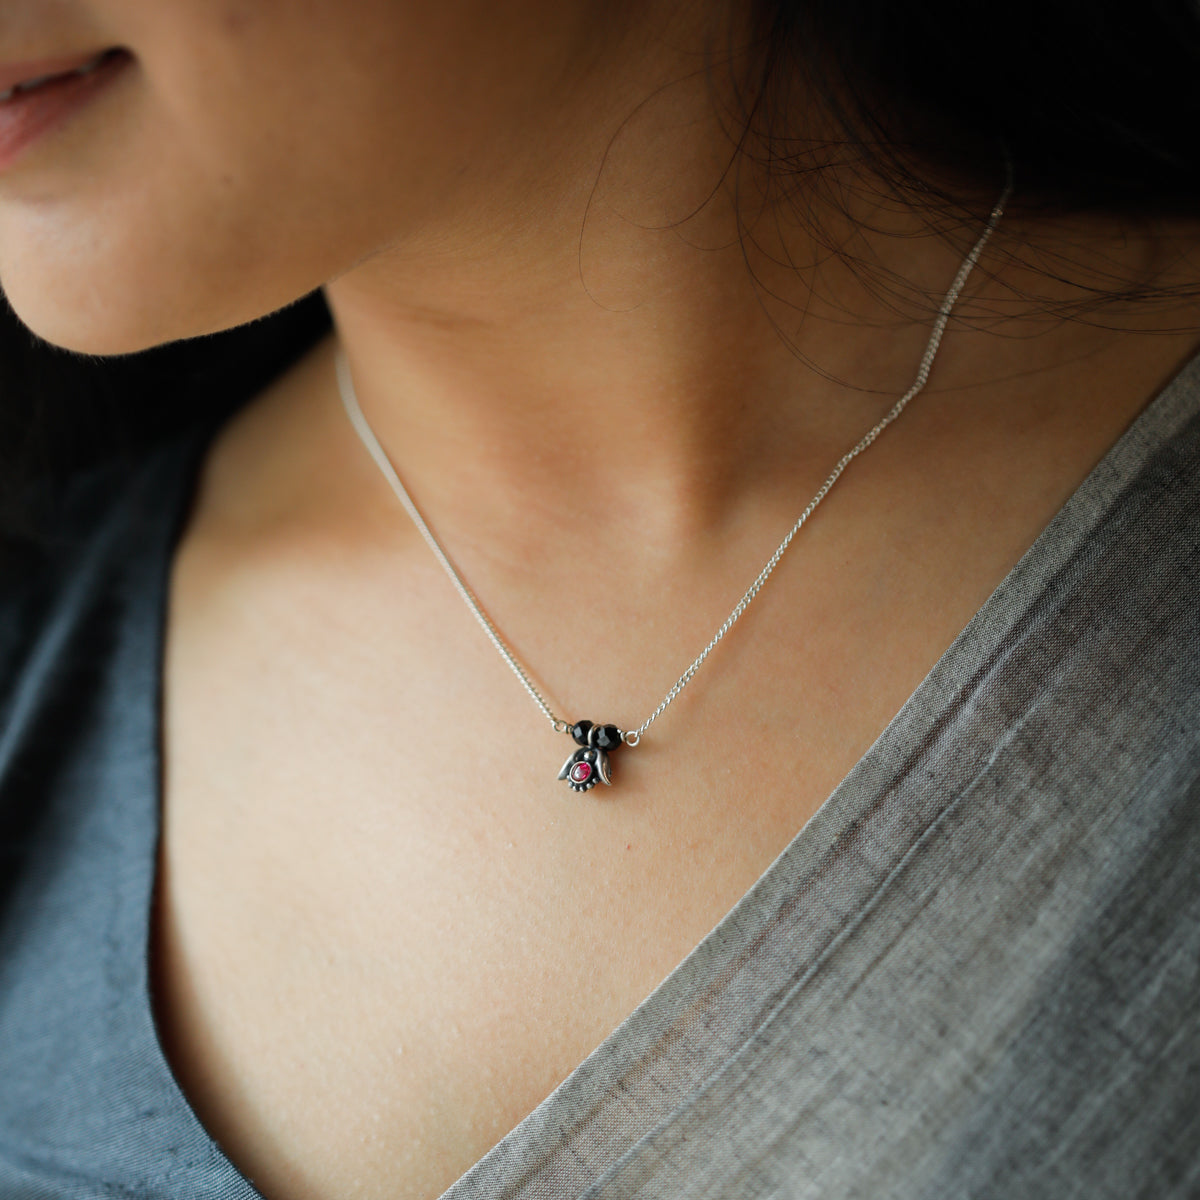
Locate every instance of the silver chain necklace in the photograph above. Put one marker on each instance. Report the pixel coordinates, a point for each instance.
(589, 764)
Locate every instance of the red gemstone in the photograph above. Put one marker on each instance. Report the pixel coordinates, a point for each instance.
(581, 772)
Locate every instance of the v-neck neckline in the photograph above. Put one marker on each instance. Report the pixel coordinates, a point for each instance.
(536, 1158)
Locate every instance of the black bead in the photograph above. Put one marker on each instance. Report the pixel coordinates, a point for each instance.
(608, 738)
(580, 731)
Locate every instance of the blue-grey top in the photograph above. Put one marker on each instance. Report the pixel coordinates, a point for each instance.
(974, 973)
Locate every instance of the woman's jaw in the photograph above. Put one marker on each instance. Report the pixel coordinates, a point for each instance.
(250, 152)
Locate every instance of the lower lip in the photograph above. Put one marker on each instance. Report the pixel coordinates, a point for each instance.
(29, 116)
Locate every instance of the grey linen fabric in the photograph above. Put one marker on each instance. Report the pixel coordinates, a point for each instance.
(974, 973)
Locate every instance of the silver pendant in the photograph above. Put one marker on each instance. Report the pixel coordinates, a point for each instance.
(589, 765)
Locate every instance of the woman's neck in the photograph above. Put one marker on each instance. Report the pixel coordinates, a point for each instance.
(629, 326)
(614, 373)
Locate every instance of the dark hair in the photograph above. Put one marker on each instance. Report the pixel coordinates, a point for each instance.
(1096, 107)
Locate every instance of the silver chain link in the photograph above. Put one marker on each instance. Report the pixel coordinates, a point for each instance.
(632, 737)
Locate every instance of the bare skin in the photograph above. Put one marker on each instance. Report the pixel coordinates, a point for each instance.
(383, 932)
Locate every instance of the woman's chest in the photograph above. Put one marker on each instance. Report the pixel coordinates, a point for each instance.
(386, 929)
(361, 991)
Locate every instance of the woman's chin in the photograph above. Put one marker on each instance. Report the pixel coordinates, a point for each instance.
(87, 321)
(83, 337)
(99, 322)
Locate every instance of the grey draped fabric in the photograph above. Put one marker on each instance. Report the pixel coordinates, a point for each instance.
(974, 973)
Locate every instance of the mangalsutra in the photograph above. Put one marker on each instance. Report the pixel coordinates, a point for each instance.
(589, 765)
